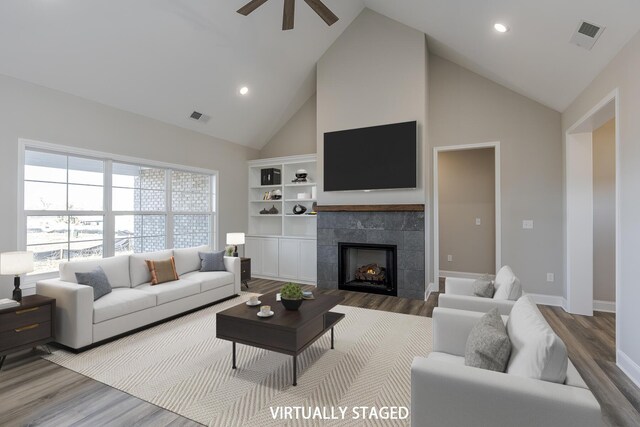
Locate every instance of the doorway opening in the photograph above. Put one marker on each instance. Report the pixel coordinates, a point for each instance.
(466, 213)
(592, 147)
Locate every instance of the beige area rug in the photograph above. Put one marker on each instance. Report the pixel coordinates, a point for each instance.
(181, 366)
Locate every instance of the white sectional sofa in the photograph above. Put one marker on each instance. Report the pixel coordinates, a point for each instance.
(446, 392)
(133, 302)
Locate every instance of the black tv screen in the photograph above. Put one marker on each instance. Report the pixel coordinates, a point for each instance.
(372, 158)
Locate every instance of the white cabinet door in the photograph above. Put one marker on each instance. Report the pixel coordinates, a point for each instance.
(269, 257)
(308, 266)
(289, 258)
(253, 250)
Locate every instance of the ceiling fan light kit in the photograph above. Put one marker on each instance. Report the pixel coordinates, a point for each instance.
(289, 11)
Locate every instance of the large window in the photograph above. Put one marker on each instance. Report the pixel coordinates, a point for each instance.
(90, 207)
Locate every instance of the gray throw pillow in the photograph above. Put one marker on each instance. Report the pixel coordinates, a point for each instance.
(488, 345)
(483, 288)
(212, 261)
(98, 280)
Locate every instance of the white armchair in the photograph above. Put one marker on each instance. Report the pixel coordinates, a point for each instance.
(458, 294)
(446, 392)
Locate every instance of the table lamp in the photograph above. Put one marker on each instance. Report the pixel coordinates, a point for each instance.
(235, 239)
(15, 264)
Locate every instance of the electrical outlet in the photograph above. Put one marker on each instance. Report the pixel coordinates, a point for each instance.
(550, 277)
(449, 258)
(478, 221)
(527, 224)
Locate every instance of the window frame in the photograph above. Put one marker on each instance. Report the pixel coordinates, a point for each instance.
(109, 215)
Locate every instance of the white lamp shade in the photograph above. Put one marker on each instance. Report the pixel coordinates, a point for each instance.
(16, 263)
(235, 238)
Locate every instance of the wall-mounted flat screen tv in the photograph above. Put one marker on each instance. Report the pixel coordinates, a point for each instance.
(372, 158)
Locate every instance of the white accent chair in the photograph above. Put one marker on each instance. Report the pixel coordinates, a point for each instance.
(133, 303)
(459, 294)
(446, 392)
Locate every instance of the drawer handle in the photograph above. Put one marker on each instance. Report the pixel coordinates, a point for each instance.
(27, 310)
(26, 328)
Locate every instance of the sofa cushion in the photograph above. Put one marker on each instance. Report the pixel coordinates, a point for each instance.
(162, 271)
(187, 259)
(507, 285)
(170, 291)
(210, 279)
(212, 261)
(115, 268)
(488, 345)
(536, 351)
(483, 288)
(138, 267)
(121, 301)
(97, 280)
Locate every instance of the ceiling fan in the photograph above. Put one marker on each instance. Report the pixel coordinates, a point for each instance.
(289, 7)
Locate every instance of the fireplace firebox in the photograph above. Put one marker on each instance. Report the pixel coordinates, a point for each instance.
(368, 267)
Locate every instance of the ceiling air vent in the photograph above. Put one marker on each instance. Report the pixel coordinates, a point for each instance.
(199, 117)
(586, 34)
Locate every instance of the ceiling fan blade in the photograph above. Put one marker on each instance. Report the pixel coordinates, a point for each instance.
(251, 6)
(323, 11)
(288, 14)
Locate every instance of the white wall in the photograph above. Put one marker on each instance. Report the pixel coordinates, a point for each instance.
(604, 212)
(622, 73)
(33, 112)
(375, 73)
(465, 108)
(297, 136)
(466, 191)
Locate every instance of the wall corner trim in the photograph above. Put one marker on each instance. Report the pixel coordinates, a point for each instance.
(628, 366)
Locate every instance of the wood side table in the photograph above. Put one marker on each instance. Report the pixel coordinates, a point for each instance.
(29, 325)
(245, 271)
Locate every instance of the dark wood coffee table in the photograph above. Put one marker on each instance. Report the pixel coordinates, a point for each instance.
(288, 332)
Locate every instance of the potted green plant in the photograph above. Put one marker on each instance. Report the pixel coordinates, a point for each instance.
(291, 296)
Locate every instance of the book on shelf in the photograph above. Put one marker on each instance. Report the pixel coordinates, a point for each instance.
(8, 303)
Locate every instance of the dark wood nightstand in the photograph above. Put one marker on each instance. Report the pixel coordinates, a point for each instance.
(29, 325)
(245, 271)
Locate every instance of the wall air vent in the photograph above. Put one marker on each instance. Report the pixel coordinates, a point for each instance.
(586, 35)
(199, 117)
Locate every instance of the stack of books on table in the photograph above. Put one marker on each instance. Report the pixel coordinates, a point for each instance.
(8, 303)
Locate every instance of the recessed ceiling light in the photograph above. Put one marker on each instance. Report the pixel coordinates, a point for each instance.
(244, 90)
(501, 28)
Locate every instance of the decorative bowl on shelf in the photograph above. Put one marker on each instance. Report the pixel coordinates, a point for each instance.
(301, 176)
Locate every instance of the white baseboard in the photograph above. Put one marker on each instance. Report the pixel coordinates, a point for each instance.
(432, 287)
(606, 306)
(461, 274)
(554, 300)
(629, 367)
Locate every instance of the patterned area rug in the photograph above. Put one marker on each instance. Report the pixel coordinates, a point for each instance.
(181, 366)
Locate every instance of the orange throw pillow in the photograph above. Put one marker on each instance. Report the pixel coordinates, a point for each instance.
(162, 271)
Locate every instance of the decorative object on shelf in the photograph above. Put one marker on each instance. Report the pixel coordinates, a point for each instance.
(264, 211)
(314, 209)
(266, 196)
(291, 296)
(301, 176)
(270, 176)
(235, 239)
(303, 196)
(273, 210)
(299, 209)
(15, 264)
(276, 195)
(314, 192)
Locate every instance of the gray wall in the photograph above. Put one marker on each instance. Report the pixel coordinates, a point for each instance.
(466, 191)
(375, 73)
(622, 74)
(465, 108)
(297, 136)
(604, 212)
(33, 112)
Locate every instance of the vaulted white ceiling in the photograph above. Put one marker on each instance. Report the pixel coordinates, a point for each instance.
(165, 58)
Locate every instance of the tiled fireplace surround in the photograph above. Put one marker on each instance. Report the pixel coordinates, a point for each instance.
(403, 229)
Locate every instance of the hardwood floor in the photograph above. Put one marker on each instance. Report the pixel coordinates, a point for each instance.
(36, 392)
